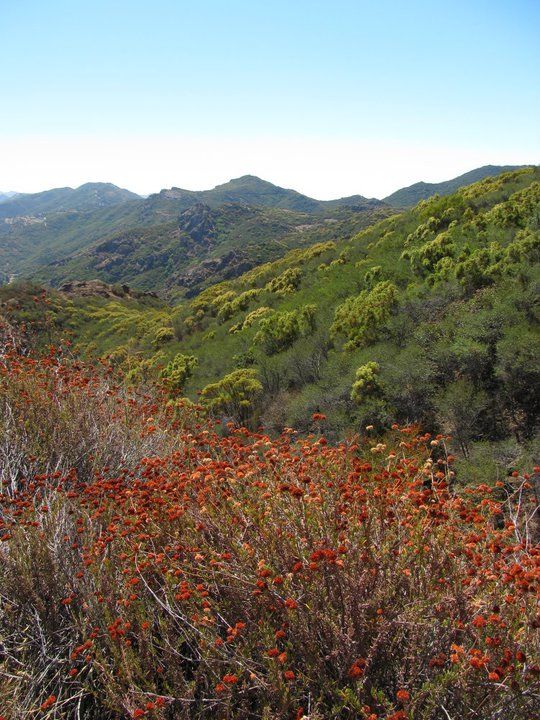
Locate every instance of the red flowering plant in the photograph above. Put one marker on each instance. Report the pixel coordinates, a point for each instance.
(152, 568)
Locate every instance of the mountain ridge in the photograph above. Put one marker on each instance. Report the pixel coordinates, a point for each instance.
(412, 194)
(87, 196)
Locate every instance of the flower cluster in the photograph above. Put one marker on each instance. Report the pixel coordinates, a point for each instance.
(245, 576)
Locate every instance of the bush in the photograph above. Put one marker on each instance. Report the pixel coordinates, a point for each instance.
(235, 394)
(279, 330)
(178, 372)
(361, 318)
(245, 577)
(366, 383)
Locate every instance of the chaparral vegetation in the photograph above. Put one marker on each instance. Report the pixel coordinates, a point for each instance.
(159, 564)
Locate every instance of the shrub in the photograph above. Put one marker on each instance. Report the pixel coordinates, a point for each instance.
(287, 282)
(235, 394)
(163, 335)
(279, 330)
(366, 383)
(178, 372)
(245, 576)
(362, 317)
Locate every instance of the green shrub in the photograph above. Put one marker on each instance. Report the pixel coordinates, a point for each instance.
(279, 330)
(362, 317)
(178, 371)
(285, 283)
(367, 383)
(235, 394)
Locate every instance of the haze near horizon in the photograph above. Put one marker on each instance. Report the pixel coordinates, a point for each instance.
(329, 99)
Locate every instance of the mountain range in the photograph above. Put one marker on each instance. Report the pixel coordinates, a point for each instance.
(86, 197)
(179, 241)
(7, 195)
(426, 316)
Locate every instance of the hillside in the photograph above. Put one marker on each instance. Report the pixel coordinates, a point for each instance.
(155, 568)
(409, 196)
(428, 316)
(55, 244)
(148, 243)
(7, 195)
(203, 246)
(86, 197)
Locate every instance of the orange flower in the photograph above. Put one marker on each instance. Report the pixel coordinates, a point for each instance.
(48, 702)
(230, 679)
(403, 696)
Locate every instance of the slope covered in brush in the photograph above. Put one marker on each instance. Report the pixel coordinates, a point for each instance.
(152, 568)
(409, 196)
(428, 316)
(200, 247)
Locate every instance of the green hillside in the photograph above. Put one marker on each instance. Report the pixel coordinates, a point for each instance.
(63, 234)
(86, 197)
(202, 247)
(428, 316)
(49, 237)
(409, 196)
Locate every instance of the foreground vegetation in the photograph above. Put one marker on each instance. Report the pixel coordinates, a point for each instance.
(156, 565)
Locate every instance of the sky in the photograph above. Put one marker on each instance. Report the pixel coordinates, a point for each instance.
(331, 98)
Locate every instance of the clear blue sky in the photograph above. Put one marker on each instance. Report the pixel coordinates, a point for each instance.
(149, 94)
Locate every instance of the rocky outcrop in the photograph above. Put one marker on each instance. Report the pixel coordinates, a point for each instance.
(226, 267)
(97, 288)
(198, 222)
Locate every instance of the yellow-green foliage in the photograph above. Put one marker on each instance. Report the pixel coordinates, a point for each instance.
(255, 315)
(285, 283)
(163, 335)
(366, 382)
(373, 275)
(279, 330)
(235, 304)
(521, 207)
(178, 371)
(491, 184)
(424, 230)
(360, 318)
(139, 370)
(263, 273)
(424, 259)
(116, 318)
(235, 394)
(211, 297)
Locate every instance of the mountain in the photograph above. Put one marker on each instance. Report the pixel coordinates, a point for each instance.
(427, 316)
(409, 196)
(251, 219)
(177, 241)
(202, 246)
(251, 190)
(7, 195)
(86, 197)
